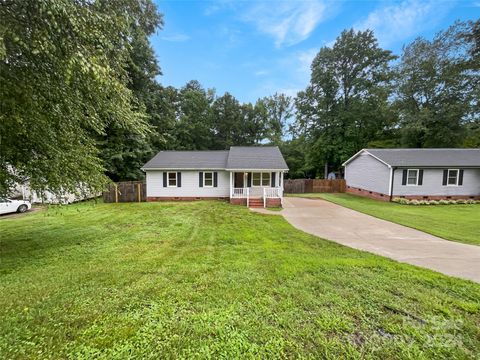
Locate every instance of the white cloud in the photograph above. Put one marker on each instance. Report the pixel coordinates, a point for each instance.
(261, 72)
(294, 68)
(176, 37)
(305, 59)
(287, 22)
(214, 7)
(396, 22)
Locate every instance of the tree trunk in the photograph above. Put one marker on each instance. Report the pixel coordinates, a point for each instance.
(326, 170)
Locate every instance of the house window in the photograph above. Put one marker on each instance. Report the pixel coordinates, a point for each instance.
(266, 179)
(256, 179)
(172, 179)
(452, 178)
(412, 177)
(260, 179)
(208, 179)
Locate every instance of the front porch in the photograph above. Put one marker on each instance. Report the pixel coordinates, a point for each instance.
(256, 188)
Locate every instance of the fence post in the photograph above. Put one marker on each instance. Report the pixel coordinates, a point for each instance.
(138, 193)
(116, 193)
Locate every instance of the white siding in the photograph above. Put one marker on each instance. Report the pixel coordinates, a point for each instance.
(433, 184)
(366, 172)
(190, 185)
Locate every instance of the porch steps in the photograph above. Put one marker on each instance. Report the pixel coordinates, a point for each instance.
(255, 202)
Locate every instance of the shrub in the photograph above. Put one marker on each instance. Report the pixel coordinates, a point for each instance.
(404, 201)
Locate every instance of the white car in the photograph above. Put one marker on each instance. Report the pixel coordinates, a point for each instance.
(9, 206)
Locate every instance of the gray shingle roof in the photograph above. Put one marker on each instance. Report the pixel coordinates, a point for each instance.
(256, 158)
(183, 160)
(428, 157)
(237, 158)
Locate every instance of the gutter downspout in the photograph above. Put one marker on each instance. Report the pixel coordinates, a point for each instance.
(392, 178)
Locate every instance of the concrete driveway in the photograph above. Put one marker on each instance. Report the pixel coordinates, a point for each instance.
(364, 232)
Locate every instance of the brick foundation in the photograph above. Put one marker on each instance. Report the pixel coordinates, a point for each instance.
(384, 197)
(238, 201)
(276, 202)
(438, 197)
(183, 198)
(257, 202)
(367, 193)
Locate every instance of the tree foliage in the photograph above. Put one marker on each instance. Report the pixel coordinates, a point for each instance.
(81, 99)
(346, 104)
(437, 88)
(64, 83)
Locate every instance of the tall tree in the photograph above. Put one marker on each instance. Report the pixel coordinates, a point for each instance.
(64, 82)
(346, 104)
(228, 122)
(124, 151)
(194, 124)
(280, 110)
(437, 88)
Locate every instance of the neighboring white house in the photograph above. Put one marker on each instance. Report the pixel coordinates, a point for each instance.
(414, 173)
(245, 175)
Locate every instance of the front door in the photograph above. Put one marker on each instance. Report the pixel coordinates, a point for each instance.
(239, 182)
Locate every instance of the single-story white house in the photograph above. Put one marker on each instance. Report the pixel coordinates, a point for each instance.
(414, 173)
(249, 175)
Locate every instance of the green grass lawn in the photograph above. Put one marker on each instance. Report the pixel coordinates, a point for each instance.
(208, 279)
(452, 222)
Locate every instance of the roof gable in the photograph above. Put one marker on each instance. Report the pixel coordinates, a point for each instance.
(255, 158)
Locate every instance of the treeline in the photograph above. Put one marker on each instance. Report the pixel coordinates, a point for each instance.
(361, 95)
(80, 98)
(194, 118)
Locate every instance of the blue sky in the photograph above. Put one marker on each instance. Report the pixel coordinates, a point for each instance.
(256, 48)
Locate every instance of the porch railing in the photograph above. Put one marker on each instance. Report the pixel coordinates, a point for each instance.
(264, 193)
(239, 193)
(271, 192)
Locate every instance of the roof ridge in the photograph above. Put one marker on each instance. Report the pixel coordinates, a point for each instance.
(416, 149)
(191, 151)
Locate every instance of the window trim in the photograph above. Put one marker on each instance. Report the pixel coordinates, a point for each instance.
(168, 179)
(261, 179)
(204, 178)
(456, 178)
(416, 177)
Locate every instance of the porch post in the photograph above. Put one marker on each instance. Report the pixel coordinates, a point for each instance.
(231, 184)
(282, 186)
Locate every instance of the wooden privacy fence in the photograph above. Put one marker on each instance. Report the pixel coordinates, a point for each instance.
(300, 186)
(126, 191)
